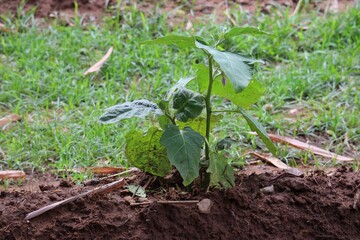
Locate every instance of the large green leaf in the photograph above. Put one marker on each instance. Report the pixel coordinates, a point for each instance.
(233, 65)
(138, 108)
(221, 173)
(146, 152)
(180, 41)
(245, 99)
(256, 126)
(243, 30)
(183, 150)
(188, 104)
(199, 124)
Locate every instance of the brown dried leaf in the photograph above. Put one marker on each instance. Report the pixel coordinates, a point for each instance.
(96, 67)
(270, 159)
(12, 174)
(9, 119)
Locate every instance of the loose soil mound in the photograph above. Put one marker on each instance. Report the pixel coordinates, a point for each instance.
(313, 207)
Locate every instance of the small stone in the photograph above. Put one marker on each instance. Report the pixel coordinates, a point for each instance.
(205, 205)
(269, 189)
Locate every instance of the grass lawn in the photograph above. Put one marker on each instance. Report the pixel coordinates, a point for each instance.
(311, 76)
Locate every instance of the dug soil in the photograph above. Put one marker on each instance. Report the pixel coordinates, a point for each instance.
(315, 206)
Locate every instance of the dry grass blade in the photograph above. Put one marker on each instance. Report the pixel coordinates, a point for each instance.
(100, 190)
(307, 147)
(9, 119)
(96, 67)
(12, 174)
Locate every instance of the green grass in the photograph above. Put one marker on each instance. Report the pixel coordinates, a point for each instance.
(317, 69)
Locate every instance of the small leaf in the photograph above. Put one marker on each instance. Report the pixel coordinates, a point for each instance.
(199, 124)
(221, 173)
(244, 30)
(183, 149)
(138, 108)
(96, 67)
(188, 104)
(256, 126)
(180, 41)
(180, 84)
(233, 65)
(137, 190)
(146, 153)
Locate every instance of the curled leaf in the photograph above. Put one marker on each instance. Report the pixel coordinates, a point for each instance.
(138, 108)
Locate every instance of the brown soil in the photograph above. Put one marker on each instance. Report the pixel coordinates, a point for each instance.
(317, 206)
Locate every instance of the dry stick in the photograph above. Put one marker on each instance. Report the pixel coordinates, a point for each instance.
(165, 202)
(103, 189)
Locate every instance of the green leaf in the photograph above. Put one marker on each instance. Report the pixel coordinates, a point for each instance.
(202, 77)
(146, 152)
(183, 149)
(138, 108)
(180, 84)
(188, 104)
(137, 190)
(244, 30)
(233, 65)
(221, 173)
(163, 121)
(256, 126)
(199, 124)
(180, 41)
(245, 99)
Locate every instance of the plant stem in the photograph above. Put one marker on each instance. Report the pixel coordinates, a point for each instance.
(208, 108)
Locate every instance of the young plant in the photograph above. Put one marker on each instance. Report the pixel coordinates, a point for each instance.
(182, 130)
